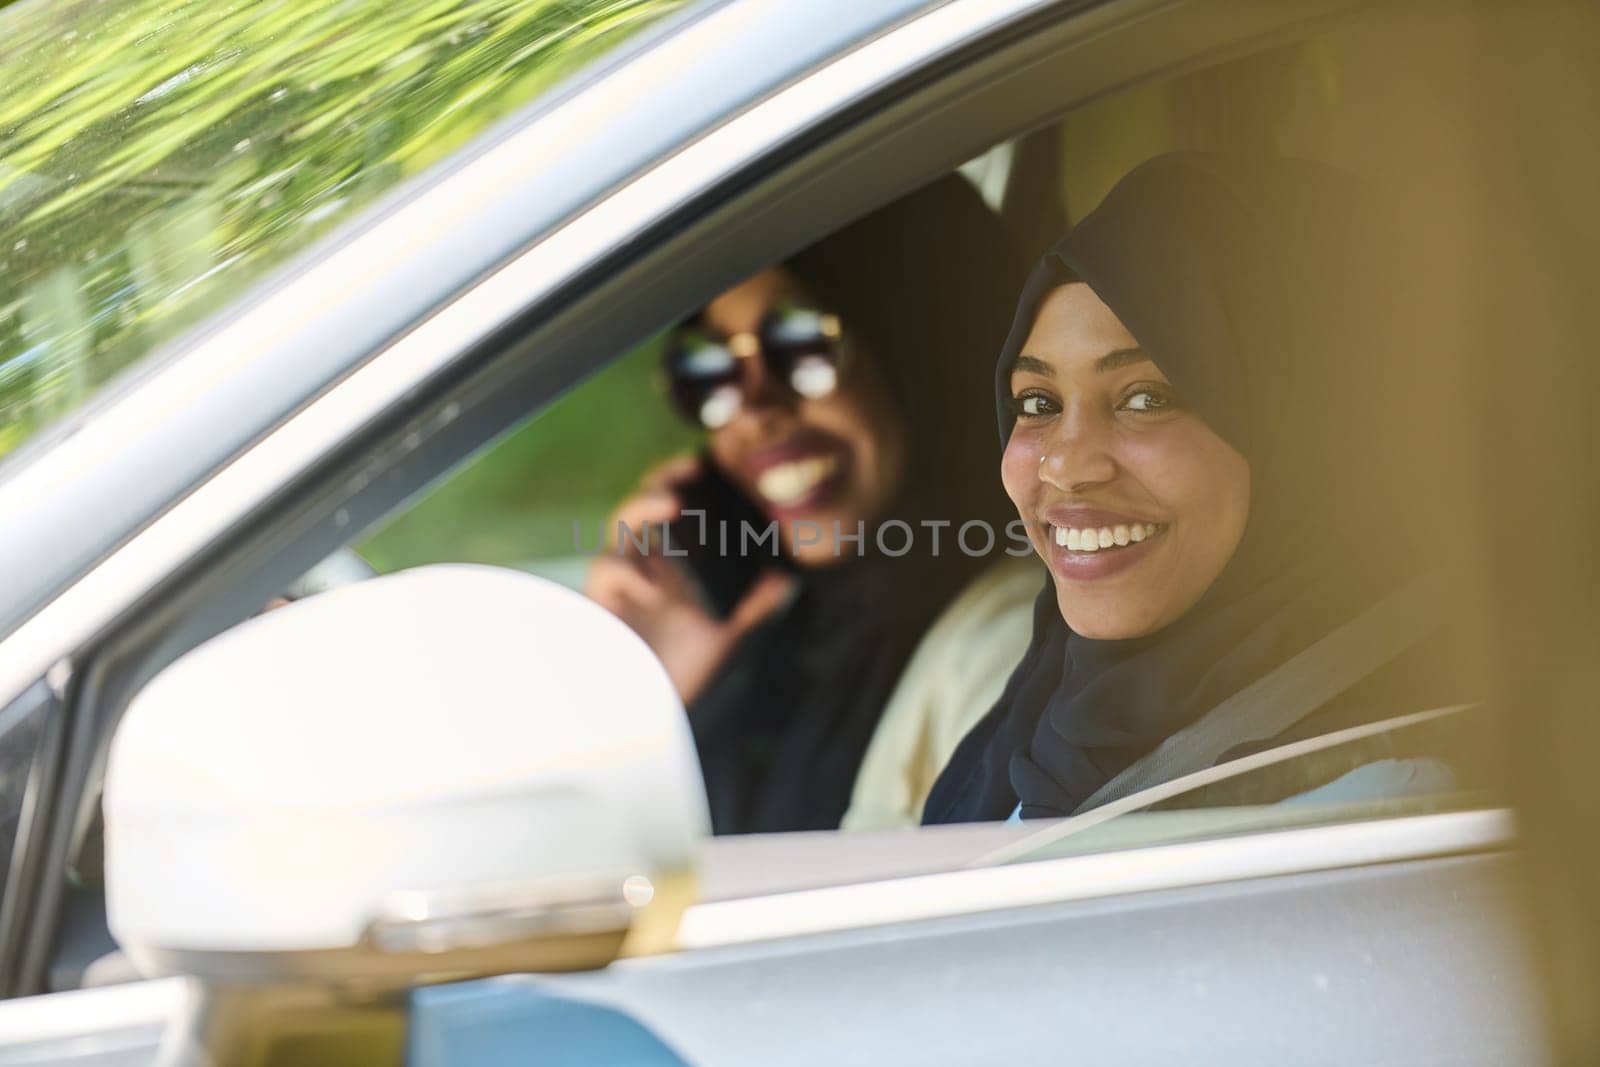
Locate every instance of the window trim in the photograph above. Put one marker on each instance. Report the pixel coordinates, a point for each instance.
(43, 699)
(834, 909)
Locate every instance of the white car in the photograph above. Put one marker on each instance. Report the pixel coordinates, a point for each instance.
(297, 852)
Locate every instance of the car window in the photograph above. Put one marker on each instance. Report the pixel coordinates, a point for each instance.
(531, 501)
(538, 500)
(155, 159)
(534, 500)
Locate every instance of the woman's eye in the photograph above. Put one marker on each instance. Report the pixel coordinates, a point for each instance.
(1148, 400)
(1032, 406)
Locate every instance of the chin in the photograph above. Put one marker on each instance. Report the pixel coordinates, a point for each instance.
(1102, 625)
(821, 553)
(820, 557)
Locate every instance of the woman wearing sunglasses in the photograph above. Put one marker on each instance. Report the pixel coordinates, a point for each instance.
(834, 394)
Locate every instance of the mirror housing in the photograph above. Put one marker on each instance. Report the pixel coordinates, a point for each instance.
(447, 772)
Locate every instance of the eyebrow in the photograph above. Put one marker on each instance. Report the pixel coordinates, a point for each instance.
(1030, 363)
(1120, 357)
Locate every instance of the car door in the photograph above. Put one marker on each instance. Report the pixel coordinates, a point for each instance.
(868, 108)
(1215, 951)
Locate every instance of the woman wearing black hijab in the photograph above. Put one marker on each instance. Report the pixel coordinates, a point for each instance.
(1195, 400)
(833, 389)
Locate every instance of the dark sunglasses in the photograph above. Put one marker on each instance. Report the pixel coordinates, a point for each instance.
(798, 346)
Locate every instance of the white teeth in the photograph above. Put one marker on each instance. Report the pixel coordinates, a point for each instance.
(788, 482)
(1094, 539)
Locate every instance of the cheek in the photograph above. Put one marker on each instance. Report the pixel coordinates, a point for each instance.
(867, 428)
(724, 448)
(1019, 467)
(842, 416)
(1199, 481)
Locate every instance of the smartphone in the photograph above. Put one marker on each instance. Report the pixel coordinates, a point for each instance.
(724, 566)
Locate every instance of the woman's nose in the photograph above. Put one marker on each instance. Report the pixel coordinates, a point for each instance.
(1079, 453)
(764, 394)
(763, 401)
(761, 389)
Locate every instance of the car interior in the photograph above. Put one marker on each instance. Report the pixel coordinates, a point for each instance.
(522, 444)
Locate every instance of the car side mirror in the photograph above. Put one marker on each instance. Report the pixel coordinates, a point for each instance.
(449, 772)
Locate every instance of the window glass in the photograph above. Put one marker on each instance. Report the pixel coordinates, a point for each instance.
(525, 502)
(158, 157)
(538, 499)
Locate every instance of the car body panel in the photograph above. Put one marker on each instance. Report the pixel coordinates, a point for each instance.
(1404, 963)
(1411, 961)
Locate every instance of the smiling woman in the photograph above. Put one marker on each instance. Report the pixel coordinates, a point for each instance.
(833, 392)
(1134, 502)
(1193, 397)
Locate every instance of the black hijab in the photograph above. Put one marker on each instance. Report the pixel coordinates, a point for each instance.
(922, 286)
(1254, 284)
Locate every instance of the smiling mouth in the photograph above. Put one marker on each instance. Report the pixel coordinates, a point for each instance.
(1090, 539)
(785, 484)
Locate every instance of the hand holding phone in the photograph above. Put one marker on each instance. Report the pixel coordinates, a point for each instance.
(692, 628)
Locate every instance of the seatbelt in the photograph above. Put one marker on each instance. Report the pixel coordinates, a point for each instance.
(1057, 829)
(1273, 703)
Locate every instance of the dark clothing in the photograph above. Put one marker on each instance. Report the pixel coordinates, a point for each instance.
(1248, 282)
(920, 287)
(782, 731)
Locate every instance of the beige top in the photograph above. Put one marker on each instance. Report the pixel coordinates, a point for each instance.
(956, 674)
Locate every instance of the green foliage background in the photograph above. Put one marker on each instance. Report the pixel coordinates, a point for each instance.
(573, 462)
(157, 157)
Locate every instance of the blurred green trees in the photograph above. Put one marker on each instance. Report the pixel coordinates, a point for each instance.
(572, 462)
(158, 156)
